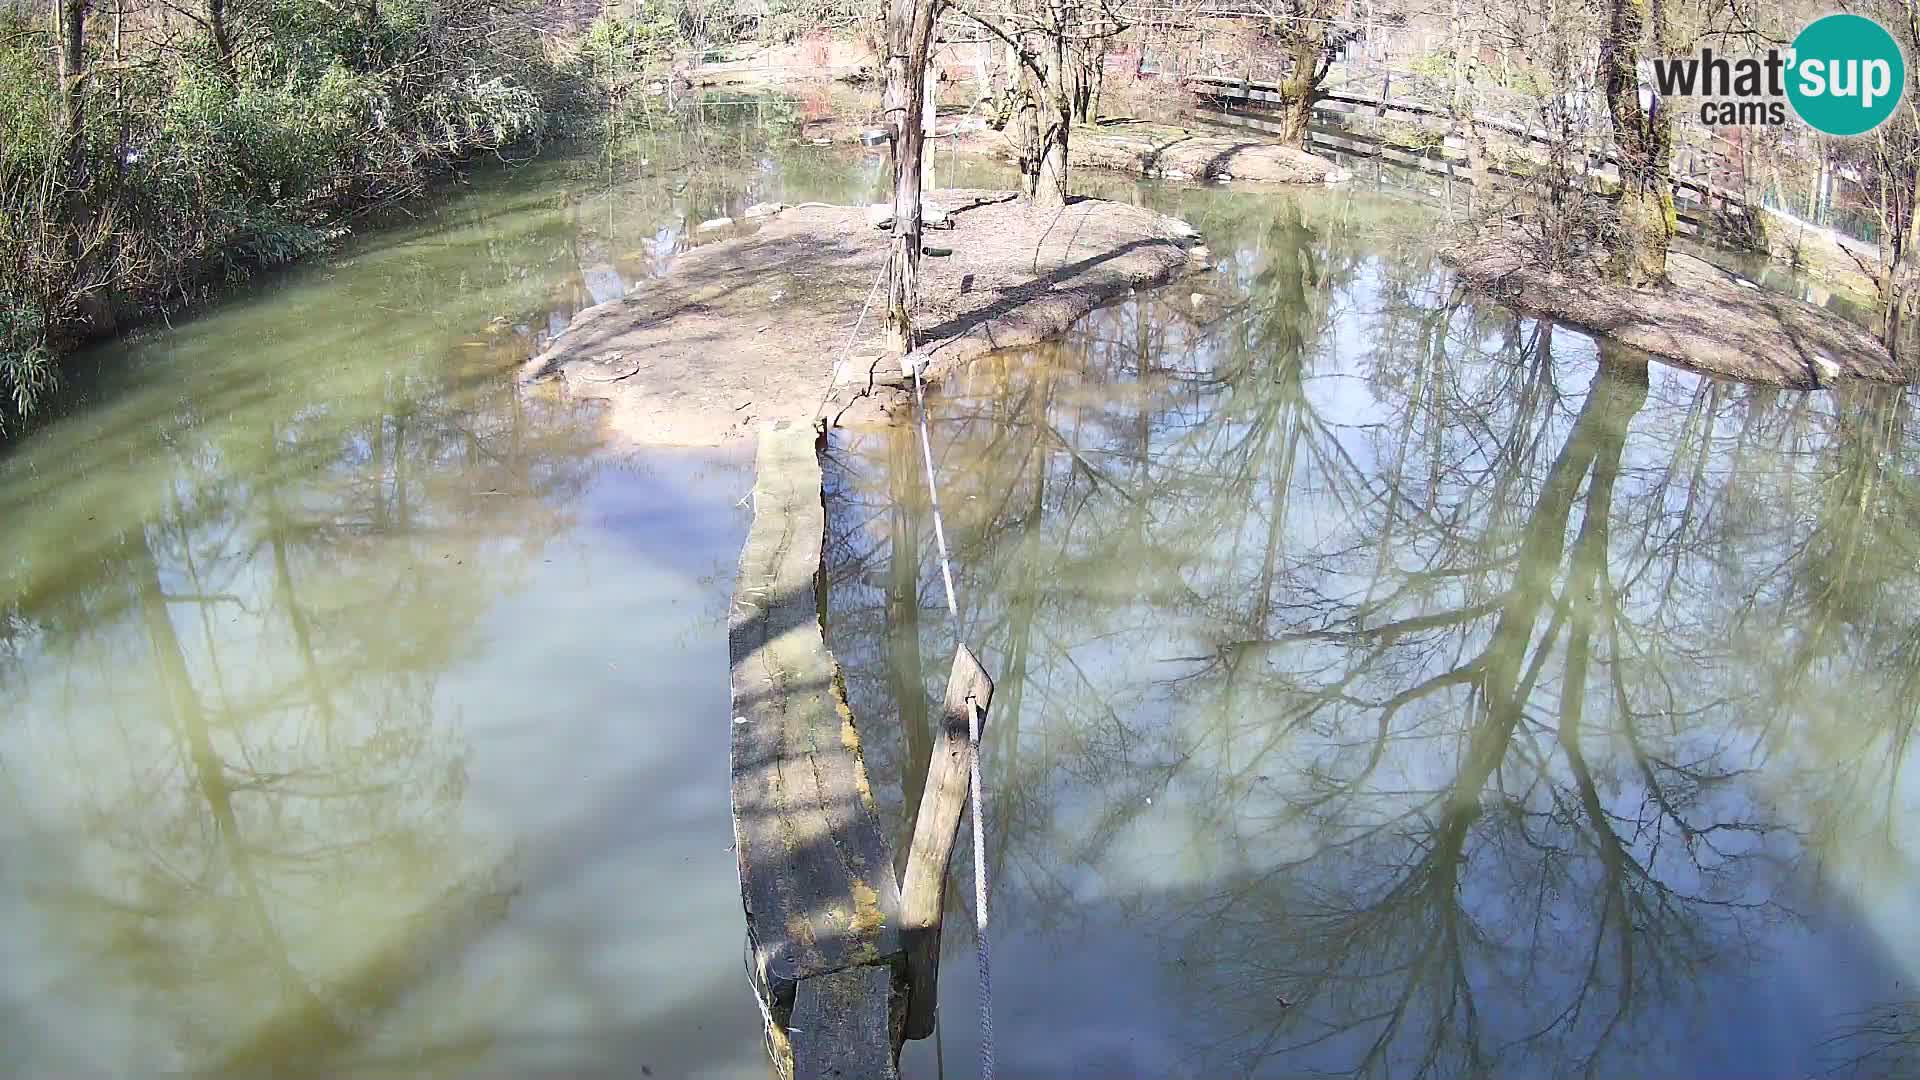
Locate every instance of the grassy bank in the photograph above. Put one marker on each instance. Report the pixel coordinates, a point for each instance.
(151, 155)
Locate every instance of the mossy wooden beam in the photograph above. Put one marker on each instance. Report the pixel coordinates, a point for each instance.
(816, 872)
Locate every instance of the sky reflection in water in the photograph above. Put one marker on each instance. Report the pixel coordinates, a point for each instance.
(1393, 686)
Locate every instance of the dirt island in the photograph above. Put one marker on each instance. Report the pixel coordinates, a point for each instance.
(1173, 152)
(759, 325)
(1702, 317)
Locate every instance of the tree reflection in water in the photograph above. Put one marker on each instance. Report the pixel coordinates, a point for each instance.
(1443, 696)
(223, 632)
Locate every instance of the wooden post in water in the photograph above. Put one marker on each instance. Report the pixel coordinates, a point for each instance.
(923, 892)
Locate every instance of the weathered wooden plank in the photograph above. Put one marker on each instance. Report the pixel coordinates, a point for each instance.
(923, 892)
(842, 1026)
(816, 875)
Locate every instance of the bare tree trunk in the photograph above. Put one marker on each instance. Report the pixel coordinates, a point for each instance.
(929, 114)
(910, 34)
(1302, 85)
(1053, 87)
(1644, 138)
(70, 22)
(1087, 63)
(1050, 182)
(1055, 119)
(222, 37)
(73, 209)
(1896, 148)
(1466, 56)
(1006, 106)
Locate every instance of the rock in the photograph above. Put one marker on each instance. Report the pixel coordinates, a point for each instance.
(762, 210)
(713, 223)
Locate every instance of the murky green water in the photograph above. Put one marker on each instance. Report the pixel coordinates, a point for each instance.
(357, 720)
(1392, 686)
(1388, 685)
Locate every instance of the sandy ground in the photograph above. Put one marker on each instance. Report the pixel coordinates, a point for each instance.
(1175, 153)
(1703, 319)
(750, 329)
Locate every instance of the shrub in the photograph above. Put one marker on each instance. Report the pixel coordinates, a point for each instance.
(207, 169)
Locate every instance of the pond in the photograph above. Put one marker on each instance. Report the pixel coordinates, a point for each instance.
(1391, 685)
(1386, 682)
(360, 717)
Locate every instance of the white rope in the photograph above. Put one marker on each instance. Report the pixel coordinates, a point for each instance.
(846, 352)
(977, 797)
(933, 490)
(980, 897)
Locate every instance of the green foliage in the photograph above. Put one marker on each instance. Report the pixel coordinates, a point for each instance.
(26, 365)
(1433, 66)
(620, 43)
(193, 168)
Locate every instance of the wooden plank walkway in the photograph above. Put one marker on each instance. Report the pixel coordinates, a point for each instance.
(816, 871)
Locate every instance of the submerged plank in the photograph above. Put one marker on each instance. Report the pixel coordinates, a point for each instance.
(816, 872)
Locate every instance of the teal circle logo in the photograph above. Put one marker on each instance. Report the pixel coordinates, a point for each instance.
(1847, 75)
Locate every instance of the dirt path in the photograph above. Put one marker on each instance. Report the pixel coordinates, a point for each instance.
(748, 330)
(1704, 319)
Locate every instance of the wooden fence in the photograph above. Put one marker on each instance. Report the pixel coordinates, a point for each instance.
(1695, 200)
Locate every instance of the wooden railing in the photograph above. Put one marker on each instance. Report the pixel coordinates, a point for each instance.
(1692, 194)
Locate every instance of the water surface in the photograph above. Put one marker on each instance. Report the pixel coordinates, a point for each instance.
(1391, 685)
(361, 718)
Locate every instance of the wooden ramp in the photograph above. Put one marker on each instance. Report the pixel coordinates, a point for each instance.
(816, 872)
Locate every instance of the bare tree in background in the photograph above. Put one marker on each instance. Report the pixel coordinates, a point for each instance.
(1643, 136)
(1890, 158)
(1312, 34)
(1055, 49)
